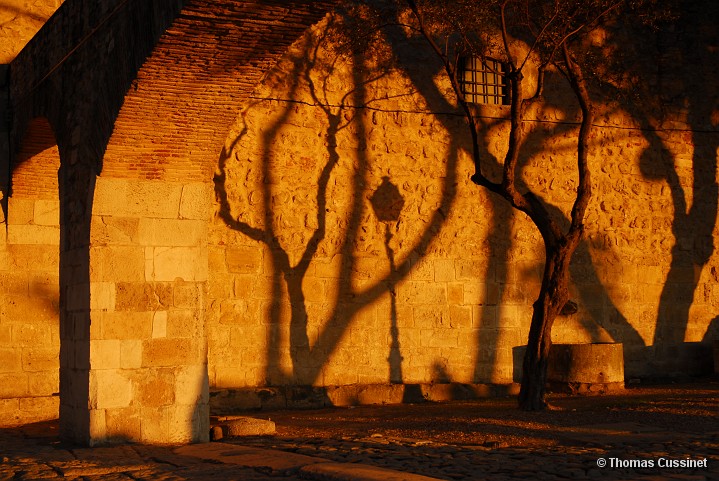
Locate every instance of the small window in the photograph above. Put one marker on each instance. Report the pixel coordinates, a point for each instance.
(483, 81)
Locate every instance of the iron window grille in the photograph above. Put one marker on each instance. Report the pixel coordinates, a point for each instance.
(483, 81)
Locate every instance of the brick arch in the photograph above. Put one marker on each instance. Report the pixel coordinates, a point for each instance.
(34, 169)
(78, 68)
(148, 255)
(29, 282)
(175, 117)
(142, 95)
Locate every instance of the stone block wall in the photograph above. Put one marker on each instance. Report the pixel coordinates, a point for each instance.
(140, 123)
(310, 285)
(348, 246)
(147, 347)
(29, 284)
(19, 21)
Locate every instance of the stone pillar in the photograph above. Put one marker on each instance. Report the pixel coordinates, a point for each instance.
(147, 350)
(76, 184)
(134, 346)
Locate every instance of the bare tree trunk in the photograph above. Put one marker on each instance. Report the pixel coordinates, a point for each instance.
(554, 292)
(553, 295)
(559, 246)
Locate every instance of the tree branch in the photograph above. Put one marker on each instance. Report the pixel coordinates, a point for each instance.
(505, 36)
(540, 34)
(584, 188)
(451, 70)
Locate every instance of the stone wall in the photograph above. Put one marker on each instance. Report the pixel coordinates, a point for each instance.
(140, 96)
(347, 246)
(29, 268)
(19, 21)
(312, 284)
(148, 268)
(29, 244)
(148, 253)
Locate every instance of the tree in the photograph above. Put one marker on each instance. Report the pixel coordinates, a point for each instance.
(537, 36)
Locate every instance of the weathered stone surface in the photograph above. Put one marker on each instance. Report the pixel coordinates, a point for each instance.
(195, 202)
(166, 351)
(22, 19)
(124, 325)
(10, 359)
(165, 264)
(454, 307)
(342, 472)
(110, 388)
(216, 433)
(29, 295)
(235, 426)
(597, 363)
(140, 296)
(247, 456)
(228, 401)
(117, 263)
(157, 390)
(24, 410)
(33, 234)
(171, 232)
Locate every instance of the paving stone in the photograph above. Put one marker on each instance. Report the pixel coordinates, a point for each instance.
(343, 472)
(248, 456)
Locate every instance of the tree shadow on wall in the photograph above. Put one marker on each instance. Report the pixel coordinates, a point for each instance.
(309, 356)
(420, 66)
(594, 295)
(679, 126)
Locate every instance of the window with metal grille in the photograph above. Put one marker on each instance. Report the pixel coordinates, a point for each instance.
(483, 81)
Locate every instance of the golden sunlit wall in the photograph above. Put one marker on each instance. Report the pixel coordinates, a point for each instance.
(29, 243)
(29, 283)
(349, 245)
(19, 21)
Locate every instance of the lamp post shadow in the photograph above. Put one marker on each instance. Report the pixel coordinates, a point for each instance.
(387, 203)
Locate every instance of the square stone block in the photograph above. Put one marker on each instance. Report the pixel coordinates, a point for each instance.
(172, 232)
(168, 352)
(171, 263)
(46, 212)
(111, 388)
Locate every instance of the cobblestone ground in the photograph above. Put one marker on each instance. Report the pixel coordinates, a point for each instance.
(491, 439)
(33, 453)
(475, 440)
(447, 461)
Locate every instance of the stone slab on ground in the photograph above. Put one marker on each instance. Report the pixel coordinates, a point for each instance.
(607, 433)
(227, 401)
(274, 461)
(281, 462)
(358, 472)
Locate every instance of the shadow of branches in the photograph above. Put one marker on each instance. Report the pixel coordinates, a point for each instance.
(679, 128)
(310, 353)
